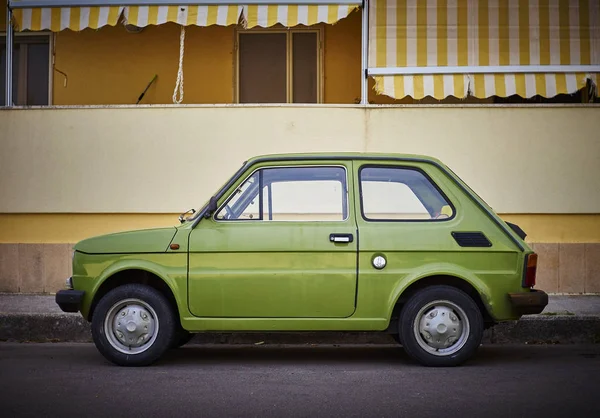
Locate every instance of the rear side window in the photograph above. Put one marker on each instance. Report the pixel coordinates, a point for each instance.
(401, 194)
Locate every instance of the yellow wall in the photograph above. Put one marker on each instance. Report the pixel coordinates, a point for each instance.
(342, 60)
(69, 228)
(111, 66)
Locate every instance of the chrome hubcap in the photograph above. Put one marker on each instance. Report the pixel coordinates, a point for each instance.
(441, 328)
(131, 326)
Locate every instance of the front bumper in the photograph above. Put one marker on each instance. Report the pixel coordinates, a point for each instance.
(529, 303)
(69, 300)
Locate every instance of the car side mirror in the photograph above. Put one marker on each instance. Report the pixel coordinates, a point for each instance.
(212, 207)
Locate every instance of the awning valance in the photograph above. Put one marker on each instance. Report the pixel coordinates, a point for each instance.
(499, 47)
(293, 14)
(74, 18)
(199, 15)
(225, 14)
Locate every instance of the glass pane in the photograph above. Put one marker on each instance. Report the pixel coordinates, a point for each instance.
(3, 72)
(243, 204)
(304, 67)
(305, 194)
(37, 74)
(401, 194)
(262, 68)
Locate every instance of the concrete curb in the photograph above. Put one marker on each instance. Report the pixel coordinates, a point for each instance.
(539, 329)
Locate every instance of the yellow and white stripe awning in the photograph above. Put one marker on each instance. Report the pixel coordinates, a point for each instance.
(200, 15)
(73, 18)
(79, 18)
(294, 14)
(495, 34)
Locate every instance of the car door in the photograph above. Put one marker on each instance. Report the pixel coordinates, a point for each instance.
(405, 220)
(281, 244)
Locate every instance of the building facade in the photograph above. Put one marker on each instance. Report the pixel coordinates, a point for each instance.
(124, 116)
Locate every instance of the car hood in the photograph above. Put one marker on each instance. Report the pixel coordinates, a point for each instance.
(154, 240)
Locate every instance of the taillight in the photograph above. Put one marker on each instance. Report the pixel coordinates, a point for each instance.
(530, 270)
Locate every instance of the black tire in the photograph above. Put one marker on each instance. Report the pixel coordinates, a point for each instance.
(181, 338)
(152, 350)
(470, 340)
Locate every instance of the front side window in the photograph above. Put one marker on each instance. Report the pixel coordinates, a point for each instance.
(390, 193)
(290, 194)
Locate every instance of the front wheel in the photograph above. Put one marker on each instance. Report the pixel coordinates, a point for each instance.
(133, 325)
(181, 338)
(441, 326)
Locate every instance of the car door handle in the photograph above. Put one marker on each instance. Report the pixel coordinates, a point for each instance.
(341, 237)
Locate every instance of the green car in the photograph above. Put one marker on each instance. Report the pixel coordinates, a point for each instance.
(313, 242)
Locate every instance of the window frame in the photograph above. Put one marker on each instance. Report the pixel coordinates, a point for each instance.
(51, 39)
(402, 167)
(318, 29)
(345, 184)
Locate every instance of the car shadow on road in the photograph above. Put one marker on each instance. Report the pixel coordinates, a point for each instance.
(286, 354)
(357, 355)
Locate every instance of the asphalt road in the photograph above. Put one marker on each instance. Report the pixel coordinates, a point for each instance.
(73, 380)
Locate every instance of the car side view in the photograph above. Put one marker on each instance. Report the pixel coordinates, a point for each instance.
(313, 242)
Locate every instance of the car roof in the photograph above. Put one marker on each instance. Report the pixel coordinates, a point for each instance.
(344, 156)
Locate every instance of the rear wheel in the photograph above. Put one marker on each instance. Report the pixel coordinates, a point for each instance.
(133, 325)
(441, 326)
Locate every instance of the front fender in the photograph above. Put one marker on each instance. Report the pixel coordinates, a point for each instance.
(441, 269)
(174, 277)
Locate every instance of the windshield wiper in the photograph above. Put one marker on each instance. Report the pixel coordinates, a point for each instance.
(181, 217)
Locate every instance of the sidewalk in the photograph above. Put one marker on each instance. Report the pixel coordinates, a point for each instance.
(566, 319)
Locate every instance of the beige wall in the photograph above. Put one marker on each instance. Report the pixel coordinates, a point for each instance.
(166, 159)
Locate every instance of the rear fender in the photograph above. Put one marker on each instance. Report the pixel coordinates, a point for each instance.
(441, 269)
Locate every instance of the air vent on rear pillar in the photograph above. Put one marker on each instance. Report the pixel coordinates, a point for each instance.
(471, 239)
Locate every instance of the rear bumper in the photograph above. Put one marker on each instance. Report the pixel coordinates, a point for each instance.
(69, 300)
(529, 303)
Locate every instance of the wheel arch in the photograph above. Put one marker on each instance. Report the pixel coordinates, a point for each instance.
(480, 296)
(134, 275)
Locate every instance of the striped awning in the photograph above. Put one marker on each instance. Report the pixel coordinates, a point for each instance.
(201, 15)
(79, 18)
(73, 18)
(293, 14)
(496, 34)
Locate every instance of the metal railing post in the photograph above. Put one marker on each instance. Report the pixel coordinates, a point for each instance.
(9, 58)
(364, 93)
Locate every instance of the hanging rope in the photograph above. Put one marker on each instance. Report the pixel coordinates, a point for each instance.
(179, 82)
